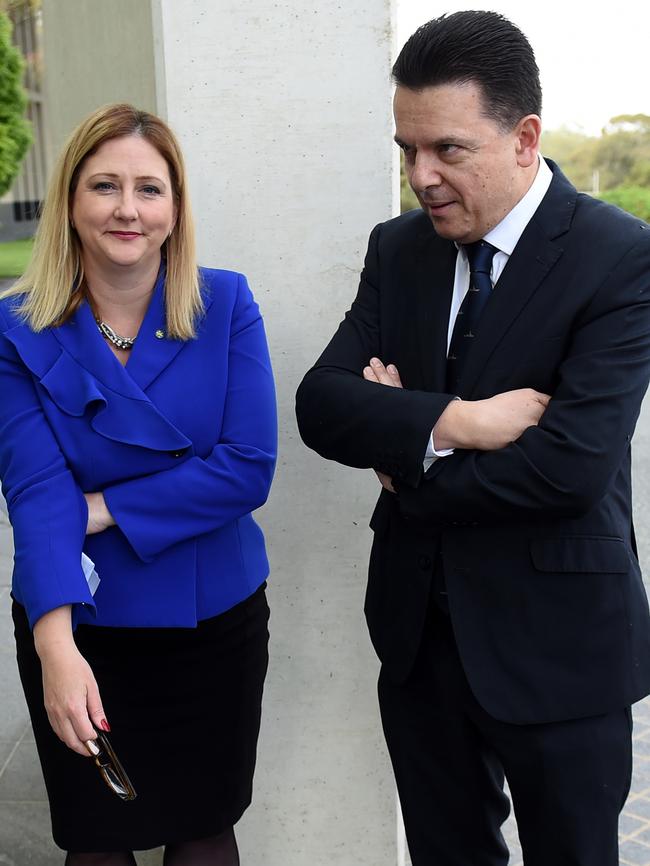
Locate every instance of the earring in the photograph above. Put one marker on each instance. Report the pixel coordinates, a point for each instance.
(170, 233)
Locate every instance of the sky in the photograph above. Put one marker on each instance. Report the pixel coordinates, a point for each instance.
(593, 57)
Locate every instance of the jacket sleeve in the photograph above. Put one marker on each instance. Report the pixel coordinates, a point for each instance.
(203, 494)
(46, 508)
(565, 465)
(358, 423)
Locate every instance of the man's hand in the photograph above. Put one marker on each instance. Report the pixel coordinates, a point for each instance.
(377, 372)
(99, 517)
(487, 425)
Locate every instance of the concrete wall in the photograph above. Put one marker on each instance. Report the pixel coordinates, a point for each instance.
(283, 109)
(95, 52)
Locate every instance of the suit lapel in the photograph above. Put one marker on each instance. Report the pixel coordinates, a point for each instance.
(434, 276)
(537, 251)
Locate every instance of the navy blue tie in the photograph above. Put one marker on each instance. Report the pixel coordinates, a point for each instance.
(479, 255)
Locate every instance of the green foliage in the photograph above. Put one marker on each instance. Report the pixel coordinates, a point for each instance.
(15, 132)
(408, 200)
(620, 155)
(14, 256)
(573, 152)
(634, 199)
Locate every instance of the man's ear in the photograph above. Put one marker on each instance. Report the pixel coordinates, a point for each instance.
(528, 134)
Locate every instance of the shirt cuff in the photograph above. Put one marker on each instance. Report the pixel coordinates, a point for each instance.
(432, 454)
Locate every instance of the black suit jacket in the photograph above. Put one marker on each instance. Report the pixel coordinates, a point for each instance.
(536, 539)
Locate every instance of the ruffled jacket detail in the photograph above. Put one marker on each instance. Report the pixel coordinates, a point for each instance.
(62, 388)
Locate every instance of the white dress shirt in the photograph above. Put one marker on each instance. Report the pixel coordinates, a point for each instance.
(504, 237)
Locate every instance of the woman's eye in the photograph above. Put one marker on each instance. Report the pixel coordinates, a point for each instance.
(103, 185)
(150, 190)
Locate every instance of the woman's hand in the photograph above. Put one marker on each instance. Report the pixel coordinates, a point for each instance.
(70, 691)
(99, 517)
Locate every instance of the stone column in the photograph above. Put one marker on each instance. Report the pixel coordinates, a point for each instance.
(283, 109)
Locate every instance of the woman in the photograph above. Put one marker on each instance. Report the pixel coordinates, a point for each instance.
(137, 426)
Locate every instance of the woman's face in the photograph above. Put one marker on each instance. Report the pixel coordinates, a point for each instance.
(123, 208)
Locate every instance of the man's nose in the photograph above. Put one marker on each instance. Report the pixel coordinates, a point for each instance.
(425, 172)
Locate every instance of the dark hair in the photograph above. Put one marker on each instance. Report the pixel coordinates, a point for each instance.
(479, 47)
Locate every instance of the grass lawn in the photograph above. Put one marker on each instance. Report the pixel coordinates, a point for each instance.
(14, 256)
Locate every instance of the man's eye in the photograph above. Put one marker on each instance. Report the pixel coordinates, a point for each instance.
(448, 149)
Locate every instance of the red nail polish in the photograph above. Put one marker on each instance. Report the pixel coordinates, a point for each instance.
(105, 726)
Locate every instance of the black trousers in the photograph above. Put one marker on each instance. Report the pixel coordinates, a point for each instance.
(568, 780)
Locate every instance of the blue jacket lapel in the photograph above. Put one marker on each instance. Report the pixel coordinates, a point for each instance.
(81, 374)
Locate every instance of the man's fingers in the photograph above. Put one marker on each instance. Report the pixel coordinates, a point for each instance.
(383, 375)
(369, 375)
(394, 375)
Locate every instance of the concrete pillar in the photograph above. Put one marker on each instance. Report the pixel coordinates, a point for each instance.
(283, 109)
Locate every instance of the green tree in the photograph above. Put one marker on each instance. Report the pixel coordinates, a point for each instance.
(622, 153)
(15, 131)
(408, 199)
(634, 199)
(573, 152)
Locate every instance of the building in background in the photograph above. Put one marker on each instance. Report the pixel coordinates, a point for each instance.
(19, 207)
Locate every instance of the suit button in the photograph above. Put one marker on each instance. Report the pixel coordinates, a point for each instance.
(425, 561)
(177, 453)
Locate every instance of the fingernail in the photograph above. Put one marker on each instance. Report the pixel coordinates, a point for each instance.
(105, 726)
(391, 368)
(92, 747)
(375, 362)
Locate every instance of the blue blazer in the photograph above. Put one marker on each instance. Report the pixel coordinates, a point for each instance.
(182, 442)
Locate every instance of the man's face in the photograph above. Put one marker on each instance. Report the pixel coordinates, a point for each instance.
(466, 171)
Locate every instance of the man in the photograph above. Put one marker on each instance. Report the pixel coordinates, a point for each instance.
(491, 371)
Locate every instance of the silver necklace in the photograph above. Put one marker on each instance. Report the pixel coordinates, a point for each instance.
(118, 341)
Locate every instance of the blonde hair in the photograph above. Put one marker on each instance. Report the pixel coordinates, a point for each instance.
(52, 284)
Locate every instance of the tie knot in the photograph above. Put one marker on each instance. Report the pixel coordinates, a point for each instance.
(480, 255)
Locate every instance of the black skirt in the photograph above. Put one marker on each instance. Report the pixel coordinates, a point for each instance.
(184, 708)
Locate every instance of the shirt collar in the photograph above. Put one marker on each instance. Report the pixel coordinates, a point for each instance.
(505, 235)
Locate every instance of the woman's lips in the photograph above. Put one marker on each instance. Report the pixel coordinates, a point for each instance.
(125, 236)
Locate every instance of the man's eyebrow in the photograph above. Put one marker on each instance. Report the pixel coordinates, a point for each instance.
(448, 139)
